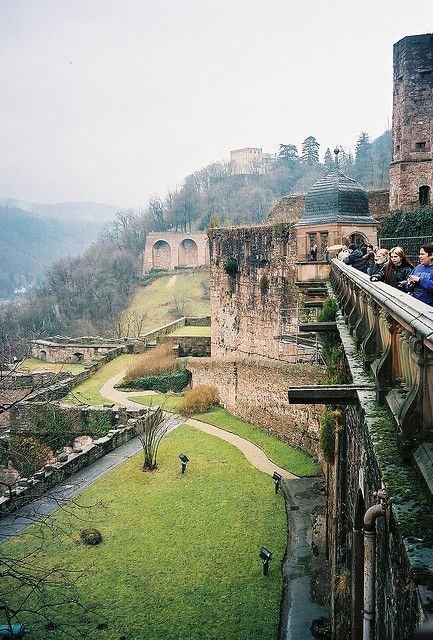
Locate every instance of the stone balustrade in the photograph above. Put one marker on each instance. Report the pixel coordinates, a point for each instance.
(393, 333)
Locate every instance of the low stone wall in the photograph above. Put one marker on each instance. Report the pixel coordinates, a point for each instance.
(197, 346)
(22, 414)
(176, 324)
(28, 490)
(256, 391)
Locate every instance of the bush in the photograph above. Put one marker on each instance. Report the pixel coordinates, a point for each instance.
(231, 267)
(28, 455)
(172, 381)
(90, 536)
(199, 399)
(161, 359)
(328, 425)
(98, 424)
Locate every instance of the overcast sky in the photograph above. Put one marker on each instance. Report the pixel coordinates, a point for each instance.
(114, 100)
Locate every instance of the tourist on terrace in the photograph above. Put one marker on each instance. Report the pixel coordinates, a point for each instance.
(369, 256)
(398, 269)
(355, 259)
(377, 271)
(419, 283)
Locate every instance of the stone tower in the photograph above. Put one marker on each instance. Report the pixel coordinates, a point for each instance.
(411, 171)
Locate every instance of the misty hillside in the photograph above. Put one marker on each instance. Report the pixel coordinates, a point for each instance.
(68, 211)
(29, 245)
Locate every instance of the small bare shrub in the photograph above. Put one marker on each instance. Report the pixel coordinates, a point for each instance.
(161, 359)
(199, 399)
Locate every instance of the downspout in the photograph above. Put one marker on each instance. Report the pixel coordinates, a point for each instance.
(371, 515)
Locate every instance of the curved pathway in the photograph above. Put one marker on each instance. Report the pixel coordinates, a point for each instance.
(252, 452)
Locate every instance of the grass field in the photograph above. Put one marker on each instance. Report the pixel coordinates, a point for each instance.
(191, 331)
(156, 299)
(30, 364)
(88, 391)
(290, 458)
(169, 401)
(180, 553)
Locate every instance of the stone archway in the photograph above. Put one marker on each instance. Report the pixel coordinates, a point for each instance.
(161, 255)
(358, 239)
(188, 253)
(43, 355)
(77, 357)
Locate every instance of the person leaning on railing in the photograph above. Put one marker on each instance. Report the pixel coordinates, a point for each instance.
(398, 268)
(377, 271)
(419, 283)
(355, 259)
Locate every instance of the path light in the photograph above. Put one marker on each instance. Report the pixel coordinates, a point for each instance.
(184, 460)
(266, 557)
(277, 479)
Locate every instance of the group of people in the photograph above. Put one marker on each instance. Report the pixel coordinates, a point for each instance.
(395, 268)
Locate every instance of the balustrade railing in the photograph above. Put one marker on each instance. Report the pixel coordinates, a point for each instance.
(393, 333)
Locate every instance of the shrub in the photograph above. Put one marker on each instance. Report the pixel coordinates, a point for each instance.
(199, 399)
(163, 382)
(28, 455)
(158, 360)
(98, 424)
(231, 267)
(328, 425)
(90, 536)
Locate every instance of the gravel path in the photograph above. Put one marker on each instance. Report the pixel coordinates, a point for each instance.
(252, 452)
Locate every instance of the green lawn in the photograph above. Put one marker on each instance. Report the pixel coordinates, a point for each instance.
(169, 401)
(285, 456)
(88, 391)
(191, 331)
(156, 299)
(30, 364)
(180, 556)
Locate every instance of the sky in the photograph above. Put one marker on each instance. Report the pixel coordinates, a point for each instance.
(115, 100)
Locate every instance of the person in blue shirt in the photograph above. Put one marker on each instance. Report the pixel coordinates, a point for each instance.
(419, 284)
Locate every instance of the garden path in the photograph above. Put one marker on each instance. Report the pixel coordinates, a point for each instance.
(252, 452)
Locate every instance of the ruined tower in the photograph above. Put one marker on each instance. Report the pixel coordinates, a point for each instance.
(411, 171)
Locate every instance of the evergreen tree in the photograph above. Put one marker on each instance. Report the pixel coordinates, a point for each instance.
(289, 154)
(328, 160)
(363, 160)
(310, 151)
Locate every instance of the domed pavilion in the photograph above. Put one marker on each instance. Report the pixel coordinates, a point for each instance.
(335, 213)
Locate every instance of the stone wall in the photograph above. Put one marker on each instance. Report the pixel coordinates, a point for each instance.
(188, 345)
(412, 165)
(256, 391)
(51, 475)
(253, 277)
(53, 351)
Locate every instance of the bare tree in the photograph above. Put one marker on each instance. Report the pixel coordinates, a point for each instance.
(151, 428)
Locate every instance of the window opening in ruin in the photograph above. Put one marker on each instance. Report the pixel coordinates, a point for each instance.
(42, 355)
(324, 243)
(78, 357)
(358, 239)
(424, 196)
(420, 146)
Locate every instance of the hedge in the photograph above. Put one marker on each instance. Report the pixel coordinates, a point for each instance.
(163, 382)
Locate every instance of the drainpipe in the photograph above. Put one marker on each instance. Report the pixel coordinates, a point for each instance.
(371, 515)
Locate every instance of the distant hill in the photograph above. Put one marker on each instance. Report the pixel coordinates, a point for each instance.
(29, 245)
(85, 211)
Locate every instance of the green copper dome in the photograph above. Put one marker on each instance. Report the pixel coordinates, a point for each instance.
(336, 198)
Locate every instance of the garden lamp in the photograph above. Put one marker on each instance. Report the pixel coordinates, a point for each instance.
(184, 460)
(277, 479)
(266, 557)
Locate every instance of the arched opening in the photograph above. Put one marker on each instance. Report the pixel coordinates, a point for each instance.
(161, 255)
(358, 239)
(43, 355)
(77, 357)
(188, 253)
(424, 196)
(358, 568)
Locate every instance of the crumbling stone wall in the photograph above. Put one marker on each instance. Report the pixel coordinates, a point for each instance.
(75, 352)
(252, 280)
(170, 250)
(412, 165)
(256, 391)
